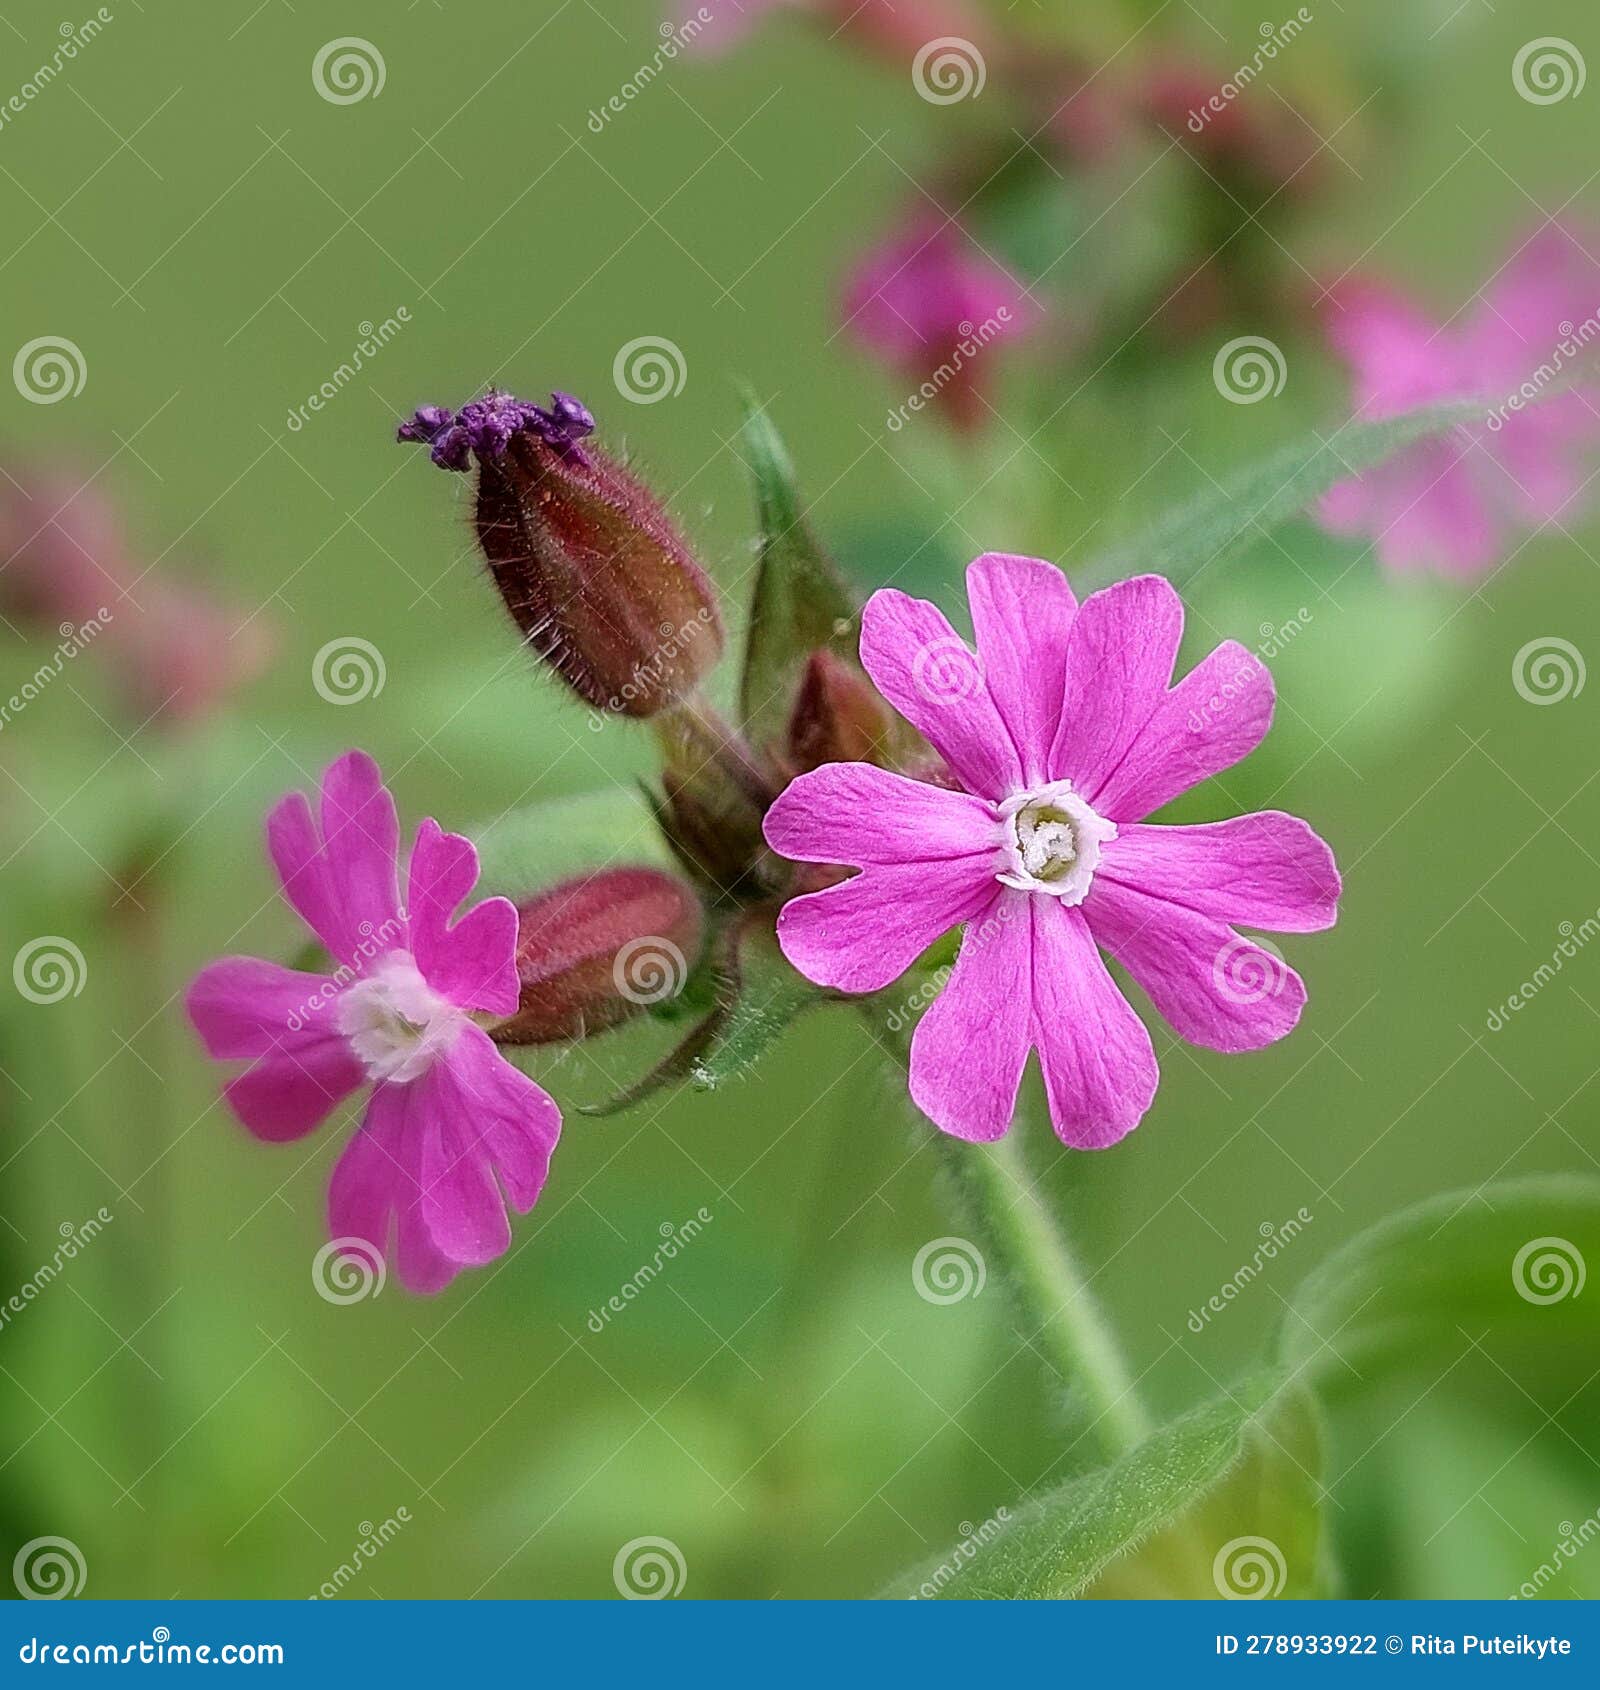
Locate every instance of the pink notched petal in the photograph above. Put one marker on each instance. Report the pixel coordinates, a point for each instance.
(474, 963)
(286, 1096)
(969, 1049)
(341, 881)
(856, 814)
(863, 933)
(1266, 870)
(1022, 611)
(1213, 987)
(929, 674)
(1099, 1066)
(428, 1154)
(1119, 657)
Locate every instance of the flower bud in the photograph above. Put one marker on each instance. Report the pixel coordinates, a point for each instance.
(594, 951)
(838, 717)
(600, 583)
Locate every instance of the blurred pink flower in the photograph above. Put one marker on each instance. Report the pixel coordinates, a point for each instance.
(177, 654)
(932, 304)
(897, 28)
(447, 1114)
(1064, 731)
(1451, 504)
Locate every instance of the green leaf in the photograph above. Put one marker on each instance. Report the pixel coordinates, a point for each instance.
(801, 601)
(1236, 1475)
(1265, 496)
(526, 849)
(757, 996)
(1508, 1258)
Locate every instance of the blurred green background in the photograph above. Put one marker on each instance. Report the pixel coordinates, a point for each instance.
(181, 1403)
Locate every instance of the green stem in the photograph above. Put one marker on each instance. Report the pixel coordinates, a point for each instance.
(1029, 1249)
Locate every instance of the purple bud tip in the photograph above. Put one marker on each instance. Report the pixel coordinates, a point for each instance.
(487, 426)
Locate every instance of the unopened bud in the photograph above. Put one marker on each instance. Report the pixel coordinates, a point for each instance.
(838, 717)
(593, 951)
(601, 584)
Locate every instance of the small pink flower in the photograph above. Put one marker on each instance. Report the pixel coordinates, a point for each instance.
(447, 1114)
(1063, 732)
(1451, 504)
(932, 304)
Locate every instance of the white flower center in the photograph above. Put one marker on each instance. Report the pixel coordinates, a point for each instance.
(1051, 841)
(396, 1023)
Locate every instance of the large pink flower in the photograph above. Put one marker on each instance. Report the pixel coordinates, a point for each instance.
(1063, 732)
(1451, 504)
(447, 1113)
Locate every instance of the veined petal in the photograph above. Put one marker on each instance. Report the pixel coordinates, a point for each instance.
(243, 1006)
(474, 963)
(1267, 870)
(930, 675)
(863, 933)
(1219, 712)
(1213, 987)
(285, 1095)
(1099, 1066)
(969, 1049)
(856, 814)
(1119, 657)
(1022, 612)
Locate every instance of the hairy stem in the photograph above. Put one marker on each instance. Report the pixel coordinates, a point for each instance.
(1028, 1248)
